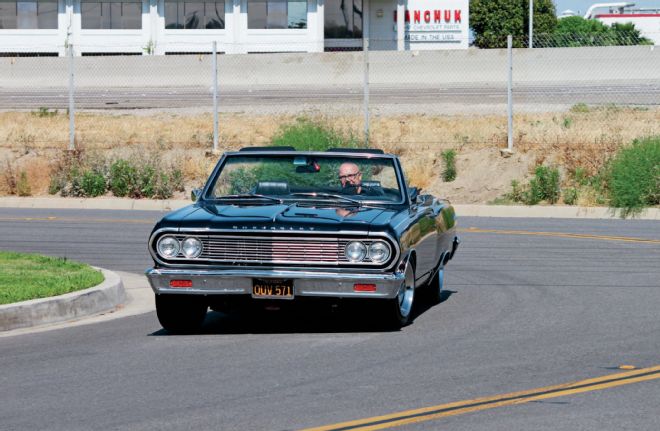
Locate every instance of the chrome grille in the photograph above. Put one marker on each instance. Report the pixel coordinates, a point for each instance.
(274, 250)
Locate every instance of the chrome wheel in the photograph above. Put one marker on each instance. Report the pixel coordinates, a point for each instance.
(397, 311)
(407, 293)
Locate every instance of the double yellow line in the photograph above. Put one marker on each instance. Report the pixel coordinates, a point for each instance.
(475, 405)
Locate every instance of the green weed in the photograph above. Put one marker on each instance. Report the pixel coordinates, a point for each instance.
(23, 185)
(307, 135)
(449, 162)
(633, 177)
(544, 186)
(44, 112)
(580, 108)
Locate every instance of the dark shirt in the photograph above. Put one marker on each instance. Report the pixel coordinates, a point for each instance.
(349, 189)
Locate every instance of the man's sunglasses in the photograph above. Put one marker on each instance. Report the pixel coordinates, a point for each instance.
(349, 176)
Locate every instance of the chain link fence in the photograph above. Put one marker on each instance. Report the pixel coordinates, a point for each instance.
(560, 73)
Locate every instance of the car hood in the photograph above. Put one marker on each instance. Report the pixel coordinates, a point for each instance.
(279, 217)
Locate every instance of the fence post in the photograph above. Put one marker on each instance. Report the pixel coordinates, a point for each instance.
(72, 126)
(365, 86)
(214, 66)
(509, 44)
(531, 23)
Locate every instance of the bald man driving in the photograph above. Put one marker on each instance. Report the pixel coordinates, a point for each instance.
(351, 181)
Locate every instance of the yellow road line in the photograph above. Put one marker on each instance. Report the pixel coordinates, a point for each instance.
(561, 235)
(478, 404)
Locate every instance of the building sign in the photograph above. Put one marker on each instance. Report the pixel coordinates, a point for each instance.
(436, 24)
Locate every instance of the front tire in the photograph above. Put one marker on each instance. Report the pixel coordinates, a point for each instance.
(398, 310)
(435, 286)
(180, 314)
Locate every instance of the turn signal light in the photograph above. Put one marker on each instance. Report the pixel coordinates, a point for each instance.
(180, 283)
(364, 287)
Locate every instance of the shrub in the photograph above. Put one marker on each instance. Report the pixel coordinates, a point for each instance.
(580, 176)
(545, 186)
(144, 178)
(146, 182)
(122, 178)
(570, 196)
(449, 162)
(93, 183)
(23, 185)
(517, 191)
(78, 175)
(10, 178)
(580, 108)
(633, 176)
(177, 181)
(45, 112)
(73, 185)
(305, 134)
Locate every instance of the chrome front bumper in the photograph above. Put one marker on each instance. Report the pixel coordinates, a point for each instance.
(305, 283)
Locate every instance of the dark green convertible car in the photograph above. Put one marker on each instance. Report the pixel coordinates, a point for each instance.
(273, 224)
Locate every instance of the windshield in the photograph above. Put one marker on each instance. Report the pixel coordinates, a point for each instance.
(342, 179)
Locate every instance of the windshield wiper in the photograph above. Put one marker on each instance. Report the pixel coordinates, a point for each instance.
(331, 196)
(249, 196)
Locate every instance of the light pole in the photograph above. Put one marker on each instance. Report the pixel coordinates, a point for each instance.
(531, 23)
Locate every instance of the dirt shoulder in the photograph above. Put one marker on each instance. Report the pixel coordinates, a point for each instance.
(584, 138)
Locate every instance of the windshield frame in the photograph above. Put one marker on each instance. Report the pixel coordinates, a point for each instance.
(403, 188)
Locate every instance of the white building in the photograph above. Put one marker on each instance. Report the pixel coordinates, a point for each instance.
(91, 27)
(646, 20)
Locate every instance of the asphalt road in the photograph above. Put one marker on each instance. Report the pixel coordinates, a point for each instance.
(245, 98)
(524, 311)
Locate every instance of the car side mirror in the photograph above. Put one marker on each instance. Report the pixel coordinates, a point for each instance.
(195, 194)
(413, 192)
(425, 200)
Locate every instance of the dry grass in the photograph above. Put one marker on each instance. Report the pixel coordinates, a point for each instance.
(568, 139)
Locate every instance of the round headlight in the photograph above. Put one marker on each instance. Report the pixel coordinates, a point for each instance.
(191, 247)
(379, 252)
(168, 246)
(355, 251)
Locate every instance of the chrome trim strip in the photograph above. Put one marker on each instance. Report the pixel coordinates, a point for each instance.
(268, 273)
(306, 283)
(314, 153)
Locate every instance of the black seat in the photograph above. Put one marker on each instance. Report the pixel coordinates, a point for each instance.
(272, 188)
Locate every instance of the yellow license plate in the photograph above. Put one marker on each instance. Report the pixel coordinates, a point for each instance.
(272, 288)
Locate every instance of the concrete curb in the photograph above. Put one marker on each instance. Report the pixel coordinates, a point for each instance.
(104, 297)
(461, 209)
(94, 203)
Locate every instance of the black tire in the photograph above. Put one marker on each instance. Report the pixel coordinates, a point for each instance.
(180, 314)
(397, 311)
(435, 286)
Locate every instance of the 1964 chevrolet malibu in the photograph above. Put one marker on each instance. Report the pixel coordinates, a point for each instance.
(273, 224)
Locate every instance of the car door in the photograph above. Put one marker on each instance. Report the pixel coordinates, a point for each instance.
(427, 247)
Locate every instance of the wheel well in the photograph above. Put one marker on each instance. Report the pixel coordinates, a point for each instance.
(409, 258)
(413, 259)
